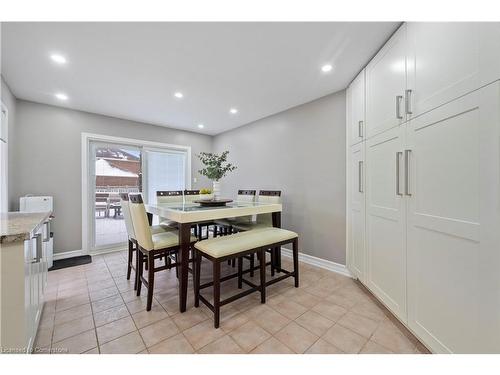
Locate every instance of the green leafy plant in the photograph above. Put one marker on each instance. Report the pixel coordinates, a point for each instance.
(216, 166)
(205, 191)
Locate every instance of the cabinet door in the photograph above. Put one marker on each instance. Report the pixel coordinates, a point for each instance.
(386, 84)
(356, 109)
(28, 310)
(443, 63)
(386, 219)
(453, 224)
(489, 50)
(356, 235)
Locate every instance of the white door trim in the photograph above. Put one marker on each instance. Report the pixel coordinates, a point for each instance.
(86, 139)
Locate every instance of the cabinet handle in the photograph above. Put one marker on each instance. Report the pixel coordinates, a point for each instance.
(360, 176)
(399, 98)
(398, 158)
(408, 99)
(360, 129)
(47, 231)
(407, 172)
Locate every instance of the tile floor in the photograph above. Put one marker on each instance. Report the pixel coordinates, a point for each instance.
(93, 309)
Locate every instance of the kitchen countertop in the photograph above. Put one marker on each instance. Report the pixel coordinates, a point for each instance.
(19, 226)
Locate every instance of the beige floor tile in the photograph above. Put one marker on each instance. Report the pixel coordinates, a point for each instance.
(359, 324)
(98, 294)
(67, 303)
(393, 339)
(76, 344)
(369, 310)
(72, 314)
(189, 318)
(129, 344)
(329, 310)
(92, 351)
(106, 303)
(266, 317)
(115, 329)
(139, 304)
(159, 331)
(174, 345)
(110, 315)
(100, 285)
(144, 318)
(232, 322)
(44, 337)
(342, 300)
(272, 346)
(323, 347)
(372, 347)
(296, 337)
(249, 336)
(202, 334)
(344, 339)
(72, 328)
(290, 309)
(314, 322)
(223, 345)
(305, 299)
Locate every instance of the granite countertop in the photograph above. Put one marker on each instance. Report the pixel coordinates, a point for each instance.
(19, 226)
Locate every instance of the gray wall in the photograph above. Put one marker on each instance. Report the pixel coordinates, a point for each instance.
(47, 159)
(300, 151)
(9, 101)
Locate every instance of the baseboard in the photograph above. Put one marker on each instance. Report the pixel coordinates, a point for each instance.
(318, 262)
(108, 250)
(69, 254)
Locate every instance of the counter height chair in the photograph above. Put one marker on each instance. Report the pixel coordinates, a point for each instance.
(235, 246)
(169, 196)
(132, 242)
(151, 245)
(225, 226)
(263, 221)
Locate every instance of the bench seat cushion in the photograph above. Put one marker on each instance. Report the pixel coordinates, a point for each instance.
(167, 239)
(235, 243)
(250, 226)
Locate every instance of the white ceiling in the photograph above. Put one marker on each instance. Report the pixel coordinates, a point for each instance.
(131, 70)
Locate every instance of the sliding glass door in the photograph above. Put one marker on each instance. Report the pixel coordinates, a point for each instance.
(116, 168)
(163, 170)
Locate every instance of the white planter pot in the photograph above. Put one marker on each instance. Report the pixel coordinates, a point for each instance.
(216, 189)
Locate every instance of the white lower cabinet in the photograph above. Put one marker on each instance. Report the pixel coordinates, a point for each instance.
(356, 235)
(386, 220)
(453, 241)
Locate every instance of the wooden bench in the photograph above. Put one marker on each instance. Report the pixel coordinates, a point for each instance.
(236, 246)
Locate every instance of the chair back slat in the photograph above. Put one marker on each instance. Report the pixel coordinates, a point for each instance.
(270, 197)
(192, 195)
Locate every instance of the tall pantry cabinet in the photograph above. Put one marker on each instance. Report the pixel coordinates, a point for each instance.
(431, 223)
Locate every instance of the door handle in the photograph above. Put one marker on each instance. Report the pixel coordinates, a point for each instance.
(360, 176)
(407, 172)
(408, 99)
(360, 129)
(399, 98)
(398, 158)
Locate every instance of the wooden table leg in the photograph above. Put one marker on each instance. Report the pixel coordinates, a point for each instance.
(277, 224)
(183, 259)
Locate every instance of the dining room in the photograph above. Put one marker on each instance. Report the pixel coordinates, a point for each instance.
(290, 188)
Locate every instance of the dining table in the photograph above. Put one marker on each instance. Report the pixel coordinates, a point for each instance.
(186, 214)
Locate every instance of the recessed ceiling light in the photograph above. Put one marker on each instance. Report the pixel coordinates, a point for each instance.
(179, 95)
(233, 111)
(59, 59)
(201, 126)
(61, 96)
(326, 68)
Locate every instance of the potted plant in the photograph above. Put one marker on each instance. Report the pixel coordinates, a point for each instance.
(216, 167)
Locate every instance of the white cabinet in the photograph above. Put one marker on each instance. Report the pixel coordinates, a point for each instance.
(386, 220)
(386, 85)
(443, 63)
(453, 224)
(356, 109)
(356, 214)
